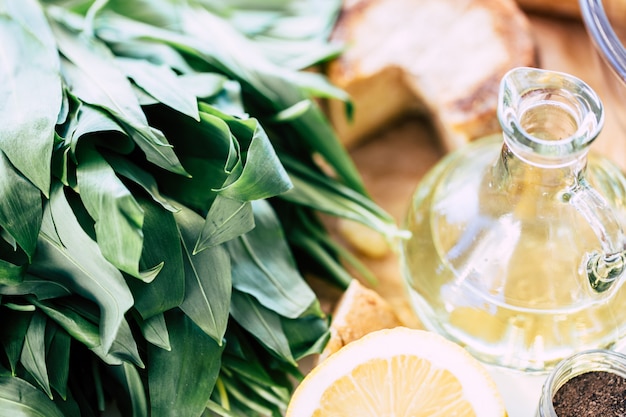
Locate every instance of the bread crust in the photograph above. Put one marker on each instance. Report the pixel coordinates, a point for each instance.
(562, 8)
(442, 58)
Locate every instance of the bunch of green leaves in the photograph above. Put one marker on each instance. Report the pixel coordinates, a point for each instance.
(159, 204)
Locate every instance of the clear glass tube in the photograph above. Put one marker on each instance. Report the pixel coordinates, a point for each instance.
(587, 361)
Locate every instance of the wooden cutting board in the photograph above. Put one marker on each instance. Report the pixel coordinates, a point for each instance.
(393, 162)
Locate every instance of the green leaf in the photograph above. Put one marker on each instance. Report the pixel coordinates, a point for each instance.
(293, 112)
(34, 352)
(11, 274)
(79, 319)
(154, 330)
(134, 401)
(19, 398)
(40, 288)
(13, 333)
(181, 380)
(204, 84)
(162, 83)
(269, 272)
(207, 150)
(20, 208)
(58, 358)
(77, 326)
(91, 120)
(317, 85)
(207, 279)
(290, 33)
(243, 395)
(307, 335)
(271, 86)
(314, 190)
(145, 49)
(263, 175)
(262, 323)
(226, 220)
(91, 73)
(117, 215)
(128, 169)
(30, 92)
(161, 244)
(68, 255)
(245, 359)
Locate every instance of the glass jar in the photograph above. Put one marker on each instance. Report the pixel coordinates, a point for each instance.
(595, 360)
(517, 248)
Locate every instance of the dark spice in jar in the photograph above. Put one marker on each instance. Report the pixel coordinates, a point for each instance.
(595, 393)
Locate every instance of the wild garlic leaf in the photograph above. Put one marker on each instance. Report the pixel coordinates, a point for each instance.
(41, 288)
(154, 330)
(34, 352)
(248, 366)
(242, 400)
(67, 254)
(263, 175)
(20, 207)
(253, 375)
(317, 85)
(58, 358)
(71, 314)
(124, 347)
(19, 398)
(13, 333)
(315, 190)
(11, 274)
(269, 272)
(204, 84)
(92, 75)
(144, 49)
(207, 279)
(226, 220)
(290, 33)
(161, 244)
(80, 328)
(71, 321)
(206, 149)
(307, 334)
(183, 378)
(29, 67)
(221, 46)
(134, 401)
(262, 323)
(128, 169)
(162, 83)
(92, 120)
(117, 215)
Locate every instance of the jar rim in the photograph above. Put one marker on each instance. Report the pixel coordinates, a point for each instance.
(590, 360)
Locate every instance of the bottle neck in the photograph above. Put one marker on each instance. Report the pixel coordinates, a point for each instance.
(549, 119)
(524, 170)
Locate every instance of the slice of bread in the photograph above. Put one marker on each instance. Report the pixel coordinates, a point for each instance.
(443, 58)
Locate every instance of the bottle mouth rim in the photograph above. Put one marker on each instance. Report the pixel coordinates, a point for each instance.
(524, 88)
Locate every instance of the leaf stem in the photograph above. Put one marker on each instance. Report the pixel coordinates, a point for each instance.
(221, 389)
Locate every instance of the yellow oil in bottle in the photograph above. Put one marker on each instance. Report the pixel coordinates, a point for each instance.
(495, 264)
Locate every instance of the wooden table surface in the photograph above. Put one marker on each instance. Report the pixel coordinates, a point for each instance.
(393, 162)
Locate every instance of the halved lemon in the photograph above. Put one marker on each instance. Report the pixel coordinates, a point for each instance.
(398, 372)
